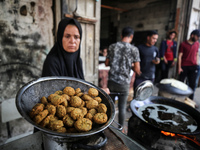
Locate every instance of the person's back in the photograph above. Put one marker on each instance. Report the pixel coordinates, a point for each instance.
(121, 56)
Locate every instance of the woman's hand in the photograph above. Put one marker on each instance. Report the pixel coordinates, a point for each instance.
(173, 63)
(165, 60)
(106, 90)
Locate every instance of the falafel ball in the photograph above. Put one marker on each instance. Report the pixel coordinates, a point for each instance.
(62, 130)
(80, 94)
(60, 111)
(75, 101)
(59, 92)
(44, 100)
(84, 110)
(89, 116)
(56, 99)
(98, 99)
(69, 91)
(92, 111)
(55, 125)
(91, 104)
(83, 124)
(100, 118)
(36, 109)
(82, 104)
(86, 97)
(78, 90)
(51, 109)
(102, 108)
(69, 109)
(51, 96)
(93, 92)
(76, 113)
(65, 102)
(38, 118)
(67, 97)
(45, 121)
(68, 121)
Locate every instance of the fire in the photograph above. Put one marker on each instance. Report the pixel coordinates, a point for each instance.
(168, 133)
(191, 138)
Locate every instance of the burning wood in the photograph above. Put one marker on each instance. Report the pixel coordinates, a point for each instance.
(168, 133)
(191, 138)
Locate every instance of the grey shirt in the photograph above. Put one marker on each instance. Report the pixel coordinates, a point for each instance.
(121, 55)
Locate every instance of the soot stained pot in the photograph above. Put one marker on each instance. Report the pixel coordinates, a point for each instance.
(31, 93)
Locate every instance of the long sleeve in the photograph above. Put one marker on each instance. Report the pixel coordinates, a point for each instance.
(162, 49)
(174, 49)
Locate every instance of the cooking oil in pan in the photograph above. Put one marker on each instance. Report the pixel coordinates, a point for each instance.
(167, 118)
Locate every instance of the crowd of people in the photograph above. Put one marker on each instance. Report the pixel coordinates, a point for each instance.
(124, 56)
(64, 59)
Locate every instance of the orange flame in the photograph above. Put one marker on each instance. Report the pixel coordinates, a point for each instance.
(191, 138)
(168, 133)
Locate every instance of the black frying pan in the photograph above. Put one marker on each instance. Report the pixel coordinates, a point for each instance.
(135, 105)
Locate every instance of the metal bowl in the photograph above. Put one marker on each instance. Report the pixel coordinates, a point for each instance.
(31, 93)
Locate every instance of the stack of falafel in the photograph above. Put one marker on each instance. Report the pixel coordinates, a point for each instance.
(70, 110)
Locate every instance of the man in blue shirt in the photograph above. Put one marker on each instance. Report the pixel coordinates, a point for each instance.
(149, 57)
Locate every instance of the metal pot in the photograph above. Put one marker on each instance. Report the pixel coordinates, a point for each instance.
(173, 90)
(31, 93)
(52, 142)
(143, 90)
(136, 105)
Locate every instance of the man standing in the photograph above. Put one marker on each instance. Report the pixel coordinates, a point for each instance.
(122, 57)
(149, 58)
(187, 59)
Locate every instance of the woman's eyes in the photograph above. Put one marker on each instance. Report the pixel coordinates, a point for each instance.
(67, 36)
(75, 36)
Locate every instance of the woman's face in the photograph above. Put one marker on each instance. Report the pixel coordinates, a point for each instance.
(172, 36)
(71, 39)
